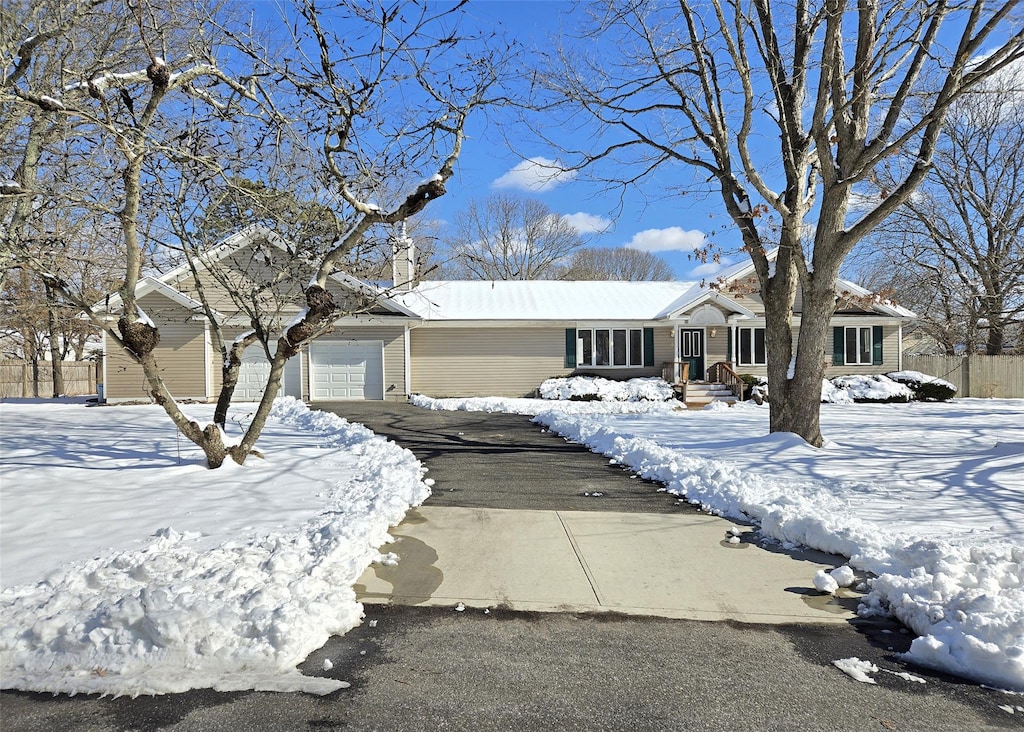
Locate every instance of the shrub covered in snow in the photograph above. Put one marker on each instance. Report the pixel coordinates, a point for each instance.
(875, 389)
(899, 386)
(593, 388)
(926, 388)
(832, 394)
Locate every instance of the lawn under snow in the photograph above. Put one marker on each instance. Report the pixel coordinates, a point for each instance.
(129, 568)
(928, 497)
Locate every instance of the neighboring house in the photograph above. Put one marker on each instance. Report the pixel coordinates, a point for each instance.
(476, 338)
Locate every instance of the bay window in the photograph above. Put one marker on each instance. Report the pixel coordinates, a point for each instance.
(610, 347)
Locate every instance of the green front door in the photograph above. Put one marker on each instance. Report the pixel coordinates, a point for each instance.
(691, 349)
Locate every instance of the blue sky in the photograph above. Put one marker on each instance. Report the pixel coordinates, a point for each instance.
(504, 153)
(505, 156)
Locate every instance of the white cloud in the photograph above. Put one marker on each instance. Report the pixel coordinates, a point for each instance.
(671, 239)
(586, 223)
(535, 175)
(709, 268)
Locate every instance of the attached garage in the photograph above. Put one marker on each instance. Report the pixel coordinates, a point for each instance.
(255, 372)
(346, 371)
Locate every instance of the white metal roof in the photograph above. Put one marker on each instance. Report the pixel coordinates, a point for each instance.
(543, 299)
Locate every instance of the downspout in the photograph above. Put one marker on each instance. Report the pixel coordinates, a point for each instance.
(102, 398)
(208, 348)
(408, 365)
(899, 347)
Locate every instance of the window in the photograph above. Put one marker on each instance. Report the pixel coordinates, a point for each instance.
(858, 346)
(601, 354)
(636, 347)
(610, 347)
(586, 347)
(752, 351)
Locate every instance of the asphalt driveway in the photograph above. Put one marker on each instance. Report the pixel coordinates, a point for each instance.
(504, 461)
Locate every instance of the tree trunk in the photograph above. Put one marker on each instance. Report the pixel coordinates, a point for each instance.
(35, 375)
(230, 369)
(56, 357)
(242, 450)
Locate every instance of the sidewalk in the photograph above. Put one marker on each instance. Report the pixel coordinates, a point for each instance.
(667, 565)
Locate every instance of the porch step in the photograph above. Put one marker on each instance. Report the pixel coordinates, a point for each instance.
(701, 394)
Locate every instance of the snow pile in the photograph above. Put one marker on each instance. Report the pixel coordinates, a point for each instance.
(507, 405)
(177, 614)
(830, 582)
(876, 388)
(966, 603)
(857, 669)
(647, 389)
(920, 514)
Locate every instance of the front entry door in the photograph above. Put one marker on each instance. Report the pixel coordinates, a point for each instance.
(691, 349)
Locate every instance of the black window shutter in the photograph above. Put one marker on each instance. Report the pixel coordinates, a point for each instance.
(648, 346)
(838, 346)
(570, 348)
(728, 347)
(876, 345)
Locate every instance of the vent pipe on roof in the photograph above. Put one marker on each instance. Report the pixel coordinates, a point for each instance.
(403, 261)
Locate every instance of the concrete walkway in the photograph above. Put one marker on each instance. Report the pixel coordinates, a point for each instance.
(658, 557)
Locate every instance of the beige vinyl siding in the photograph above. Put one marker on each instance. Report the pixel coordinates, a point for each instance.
(510, 362)
(246, 271)
(394, 355)
(890, 355)
(716, 347)
(353, 303)
(664, 347)
(181, 355)
(485, 361)
(747, 294)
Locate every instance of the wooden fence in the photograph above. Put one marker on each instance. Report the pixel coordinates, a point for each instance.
(16, 379)
(975, 376)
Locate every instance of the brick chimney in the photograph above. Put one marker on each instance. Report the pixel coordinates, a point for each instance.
(403, 261)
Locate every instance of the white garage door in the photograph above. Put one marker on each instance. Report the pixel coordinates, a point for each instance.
(346, 371)
(255, 372)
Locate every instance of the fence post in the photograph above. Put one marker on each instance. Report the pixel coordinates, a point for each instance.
(966, 370)
(24, 381)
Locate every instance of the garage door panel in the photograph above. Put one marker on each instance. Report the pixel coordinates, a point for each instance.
(347, 371)
(255, 373)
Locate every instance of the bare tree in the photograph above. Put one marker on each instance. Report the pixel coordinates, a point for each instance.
(508, 237)
(783, 109)
(954, 251)
(618, 263)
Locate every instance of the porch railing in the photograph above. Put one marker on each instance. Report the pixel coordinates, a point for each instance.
(669, 372)
(722, 373)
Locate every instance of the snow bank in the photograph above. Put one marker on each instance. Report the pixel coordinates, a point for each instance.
(962, 593)
(649, 389)
(175, 615)
(536, 406)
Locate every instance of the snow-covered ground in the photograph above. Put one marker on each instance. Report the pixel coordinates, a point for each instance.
(128, 567)
(929, 497)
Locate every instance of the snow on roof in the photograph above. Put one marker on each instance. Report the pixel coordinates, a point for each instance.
(543, 299)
